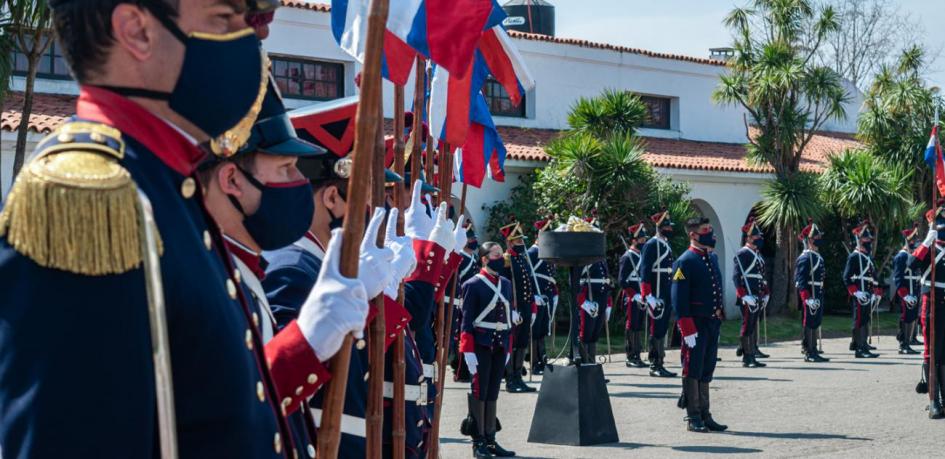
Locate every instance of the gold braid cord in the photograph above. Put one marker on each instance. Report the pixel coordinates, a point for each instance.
(74, 207)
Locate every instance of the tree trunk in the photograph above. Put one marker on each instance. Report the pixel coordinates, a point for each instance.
(23, 129)
(782, 284)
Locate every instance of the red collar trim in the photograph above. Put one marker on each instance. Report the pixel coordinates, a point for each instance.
(635, 249)
(488, 275)
(698, 251)
(133, 120)
(252, 259)
(311, 236)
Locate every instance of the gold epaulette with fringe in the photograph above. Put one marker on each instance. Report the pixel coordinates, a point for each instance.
(73, 206)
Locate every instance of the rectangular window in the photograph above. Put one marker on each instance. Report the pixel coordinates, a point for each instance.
(51, 64)
(499, 102)
(658, 112)
(308, 79)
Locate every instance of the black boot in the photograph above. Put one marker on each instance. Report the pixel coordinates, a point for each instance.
(867, 349)
(754, 345)
(748, 358)
(591, 349)
(854, 339)
(628, 347)
(657, 369)
(704, 404)
(922, 387)
(693, 406)
(490, 420)
(637, 340)
(904, 346)
(477, 410)
(935, 407)
(813, 355)
(538, 360)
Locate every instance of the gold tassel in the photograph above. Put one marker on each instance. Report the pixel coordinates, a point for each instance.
(76, 211)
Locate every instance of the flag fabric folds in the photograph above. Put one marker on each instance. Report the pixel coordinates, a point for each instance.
(483, 153)
(933, 157)
(349, 27)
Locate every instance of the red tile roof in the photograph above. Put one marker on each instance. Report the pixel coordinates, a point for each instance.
(49, 110)
(325, 8)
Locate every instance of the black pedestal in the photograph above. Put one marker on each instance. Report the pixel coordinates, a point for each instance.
(573, 408)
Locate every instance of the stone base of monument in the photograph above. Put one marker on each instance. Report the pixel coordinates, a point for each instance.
(573, 408)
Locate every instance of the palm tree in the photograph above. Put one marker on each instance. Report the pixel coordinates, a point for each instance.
(613, 113)
(31, 28)
(787, 98)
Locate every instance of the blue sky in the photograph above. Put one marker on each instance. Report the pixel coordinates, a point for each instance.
(691, 27)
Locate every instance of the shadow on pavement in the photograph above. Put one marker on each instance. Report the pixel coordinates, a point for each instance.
(819, 368)
(458, 441)
(717, 449)
(626, 445)
(751, 378)
(649, 386)
(645, 395)
(795, 435)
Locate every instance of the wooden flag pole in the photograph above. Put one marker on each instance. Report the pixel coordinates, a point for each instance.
(366, 124)
(398, 410)
(931, 324)
(374, 413)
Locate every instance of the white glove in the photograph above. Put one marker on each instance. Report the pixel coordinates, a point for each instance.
(417, 224)
(539, 300)
(442, 233)
(750, 300)
(691, 340)
(637, 298)
(405, 259)
(335, 307)
(471, 361)
(764, 300)
(862, 296)
(516, 317)
(374, 269)
(910, 300)
(651, 300)
(459, 234)
(930, 237)
(590, 307)
(811, 303)
(608, 314)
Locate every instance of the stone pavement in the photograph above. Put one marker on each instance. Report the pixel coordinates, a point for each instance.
(844, 408)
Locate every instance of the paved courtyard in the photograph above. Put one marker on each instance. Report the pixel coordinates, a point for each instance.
(845, 408)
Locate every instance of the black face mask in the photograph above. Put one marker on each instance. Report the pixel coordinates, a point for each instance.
(759, 243)
(496, 265)
(707, 239)
(472, 245)
(284, 213)
(666, 231)
(818, 242)
(335, 222)
(867, 246)
(222, 78)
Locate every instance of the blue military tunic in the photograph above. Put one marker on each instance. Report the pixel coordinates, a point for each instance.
(519, 272)
(657, 280)
(809, 274)
(487, 330)
(468, 267)
(697, 301)
(546, 287)
(859, 275)
(77, 379)
(749, 279)
(596, 287)
(907, 284)
(630, 276)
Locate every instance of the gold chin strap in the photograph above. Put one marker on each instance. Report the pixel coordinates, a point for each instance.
(231, 141)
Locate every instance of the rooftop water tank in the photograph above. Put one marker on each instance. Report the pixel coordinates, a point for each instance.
(532, 16)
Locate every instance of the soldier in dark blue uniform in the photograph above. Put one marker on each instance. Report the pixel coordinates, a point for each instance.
(630, 277)
(486, 343)
(751, 291)
(594, 307)
(907, 289)
(518, 271)
(546, 299)
(655, 289)
(859, 277)
(923, 262)
(697, 300)
(468, 267)
(118, 163)
(809, 275)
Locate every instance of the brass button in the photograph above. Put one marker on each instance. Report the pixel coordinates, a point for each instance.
(249, 339)
(277, 443)
(188, 187)
(97, 137)
(392, 335)
(312, 378)
(298, 390)
(420, 423)
(286, 402)
(420, 380)
(231, 288)
(65, 137)
(237, 276)
(360, 344)
(255, 319)
(207, 241)
(260, 391)
(311, 451)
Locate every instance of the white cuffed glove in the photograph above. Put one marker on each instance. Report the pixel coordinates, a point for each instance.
(691, 340)
(637, 298)
(930, 237)
(516, 317)
(335, 307)
(862, 296)
(910, 300)
(750, 300)
(472, 362)
(374, 269)
(608, 313)
(651, 300)
(539, 300)
(590, 307)
(876, 298)
(811, 303)
(417, 223)
(405, 259)
(442, 233)
(459, 235)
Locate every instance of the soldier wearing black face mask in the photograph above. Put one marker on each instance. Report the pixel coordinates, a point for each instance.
(907, 289)
(468, 268)
(752, 292)
(860, 279)
(923, 261)
(656, 266)
(519, 272)
(809, 277)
